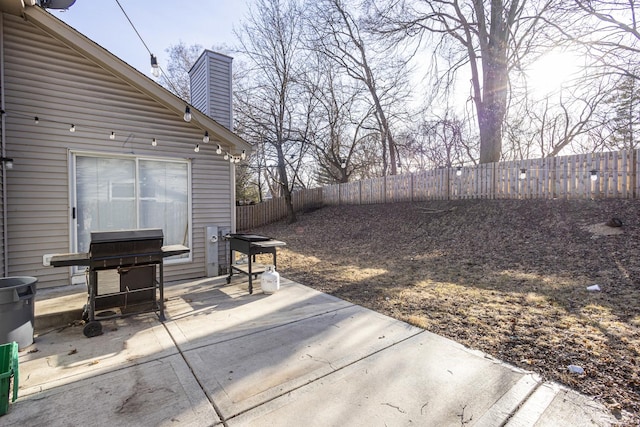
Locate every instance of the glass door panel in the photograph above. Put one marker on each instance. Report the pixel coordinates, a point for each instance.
(164, 199)
(105, 196)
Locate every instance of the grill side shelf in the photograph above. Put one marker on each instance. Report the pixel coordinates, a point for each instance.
(84, 259)
(71, 259)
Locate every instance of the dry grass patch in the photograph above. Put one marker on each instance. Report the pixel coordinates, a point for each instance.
(508, 277)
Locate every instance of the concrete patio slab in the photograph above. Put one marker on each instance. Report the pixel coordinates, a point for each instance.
(224, 357)
(161, 392)
(220, 312)
(425, 380)
(247, 371)
(65, 355)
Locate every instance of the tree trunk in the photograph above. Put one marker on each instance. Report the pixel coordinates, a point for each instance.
(491, 113)
(492, 109)
(284, 185)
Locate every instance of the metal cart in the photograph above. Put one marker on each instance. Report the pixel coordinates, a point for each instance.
(250, 245)
(138, 256)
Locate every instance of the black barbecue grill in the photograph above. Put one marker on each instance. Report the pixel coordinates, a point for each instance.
(138, 256)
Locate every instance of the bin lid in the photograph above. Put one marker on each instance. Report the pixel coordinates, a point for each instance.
(16, 281)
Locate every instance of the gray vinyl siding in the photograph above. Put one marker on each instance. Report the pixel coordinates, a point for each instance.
(211, 82)
(3, 270)
(2, 219)
(198, 85)
(45, 78)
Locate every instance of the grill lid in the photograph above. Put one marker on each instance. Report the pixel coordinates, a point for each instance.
(125, 247)
(126, 235)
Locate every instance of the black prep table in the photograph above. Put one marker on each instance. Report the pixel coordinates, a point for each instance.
(250, 245)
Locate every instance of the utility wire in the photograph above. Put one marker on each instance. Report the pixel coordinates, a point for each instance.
(134, 27)
(175, 90)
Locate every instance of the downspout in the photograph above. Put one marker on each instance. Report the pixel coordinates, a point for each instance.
(3, 144)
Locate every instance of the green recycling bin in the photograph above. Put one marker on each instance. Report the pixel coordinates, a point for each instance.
(8, 371)
(17, 301)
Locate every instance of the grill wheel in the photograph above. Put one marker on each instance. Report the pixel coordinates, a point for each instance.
(92, 329)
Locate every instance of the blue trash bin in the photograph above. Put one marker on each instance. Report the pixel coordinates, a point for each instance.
(17, 301)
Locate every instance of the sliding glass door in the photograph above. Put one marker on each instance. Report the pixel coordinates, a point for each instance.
(117, 193)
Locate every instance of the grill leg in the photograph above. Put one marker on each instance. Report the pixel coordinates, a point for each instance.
(93, 291)
(250, 275)
(161, 286)
(231, 261)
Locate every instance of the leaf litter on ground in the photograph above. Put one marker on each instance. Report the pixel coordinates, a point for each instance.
(508, 277)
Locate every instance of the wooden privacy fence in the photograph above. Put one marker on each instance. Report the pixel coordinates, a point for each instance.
(597, 175)
(251, 216)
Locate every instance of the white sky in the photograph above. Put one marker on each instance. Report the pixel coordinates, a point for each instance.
(161, 23)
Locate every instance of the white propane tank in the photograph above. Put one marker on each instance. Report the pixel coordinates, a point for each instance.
(270, 280)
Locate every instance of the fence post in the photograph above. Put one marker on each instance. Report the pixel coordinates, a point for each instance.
(492, 181)
(384, 189)
(411, 187)
(553, 177)
(448, 183)
(635, 179)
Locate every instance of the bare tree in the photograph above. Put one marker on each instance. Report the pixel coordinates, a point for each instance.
(338, 119)
(181, 59)
(563, 120)
(587, 116)
(611, 30)
(337, 33)
(271, 40)
(438, 142)
(490, 37)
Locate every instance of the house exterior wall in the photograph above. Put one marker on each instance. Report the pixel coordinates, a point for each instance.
(45, 78)
(211, 87)
(3, 271)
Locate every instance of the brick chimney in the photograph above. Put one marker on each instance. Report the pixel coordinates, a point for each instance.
(210, 81)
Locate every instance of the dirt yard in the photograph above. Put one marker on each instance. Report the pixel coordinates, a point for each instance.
(508, 277)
